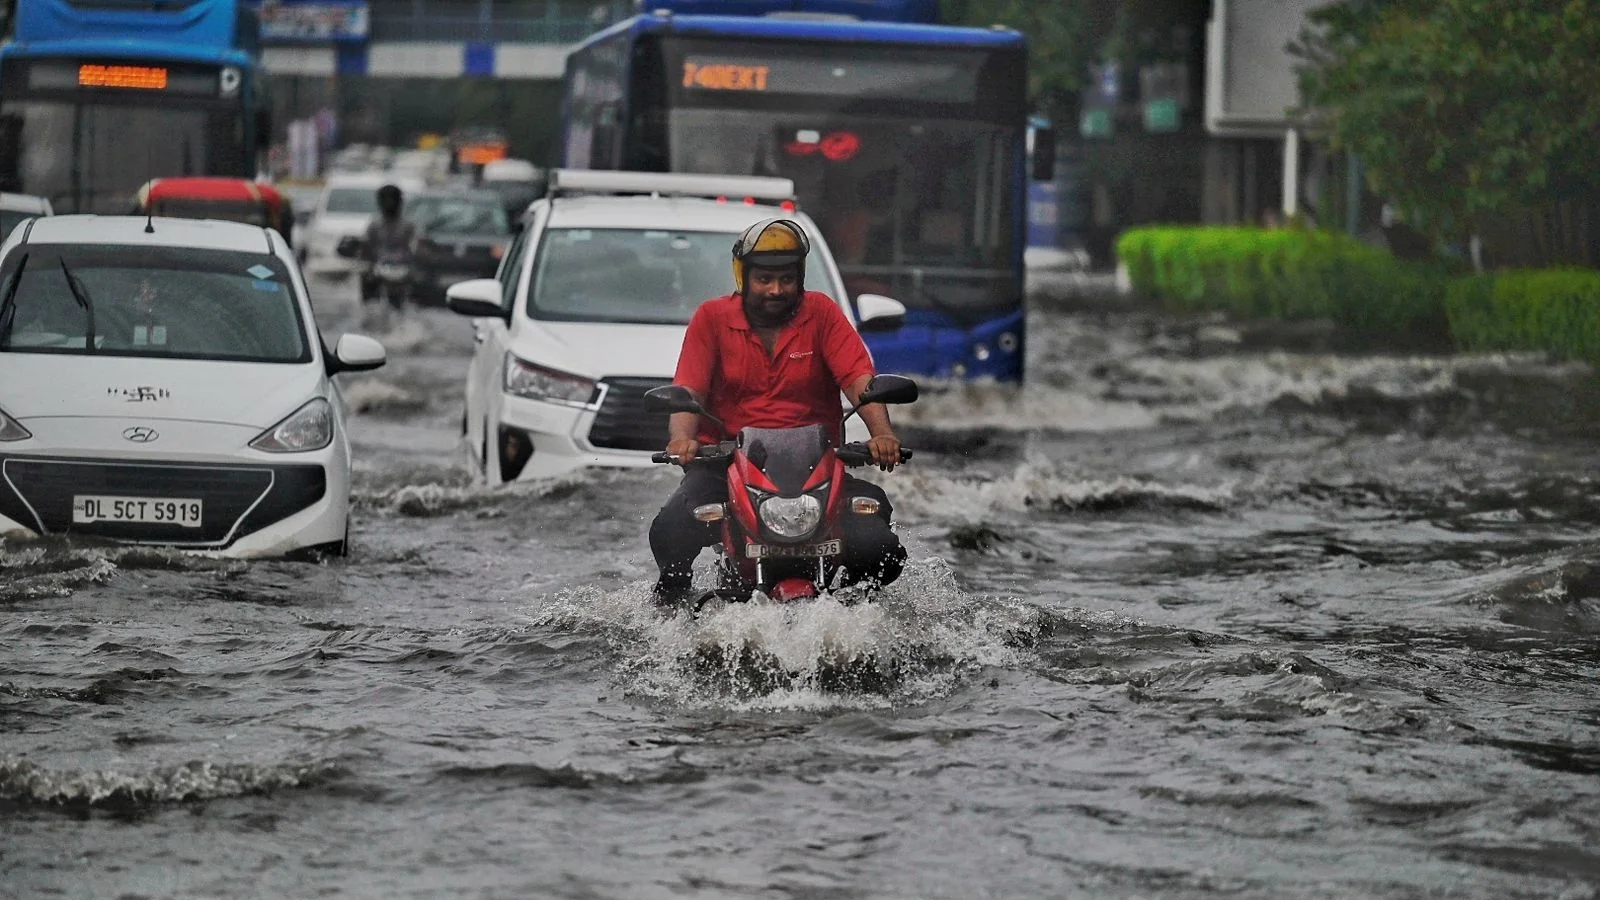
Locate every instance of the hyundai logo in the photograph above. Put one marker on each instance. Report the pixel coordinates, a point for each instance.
(139, 434)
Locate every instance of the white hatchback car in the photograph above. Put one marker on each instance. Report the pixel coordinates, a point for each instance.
(162, 381)
(590, 306)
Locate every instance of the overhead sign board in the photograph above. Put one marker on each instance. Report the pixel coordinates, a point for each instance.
(1251, 86)
(287, 21)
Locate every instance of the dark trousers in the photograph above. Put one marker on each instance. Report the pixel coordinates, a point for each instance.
(871, 551)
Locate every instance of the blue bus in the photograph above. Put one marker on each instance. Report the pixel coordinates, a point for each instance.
(97, 97)
(907, 141)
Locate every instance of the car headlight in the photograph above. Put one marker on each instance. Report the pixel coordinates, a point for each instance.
(11, 429)
(539, 383)
(791, 517)
(308, 428)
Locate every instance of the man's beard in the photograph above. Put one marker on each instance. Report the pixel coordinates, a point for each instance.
(755, 311)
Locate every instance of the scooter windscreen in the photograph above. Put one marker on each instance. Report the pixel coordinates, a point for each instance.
(787, 456)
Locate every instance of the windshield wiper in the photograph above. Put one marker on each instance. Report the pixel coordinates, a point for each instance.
(81, 294)
(8, 307)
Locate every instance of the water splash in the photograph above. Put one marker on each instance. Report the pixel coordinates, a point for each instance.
(25, 782)
(374, 395)
(438, 498)
(918, 640)
(930, 495)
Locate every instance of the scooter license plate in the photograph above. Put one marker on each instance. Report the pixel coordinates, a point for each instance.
(767, 551)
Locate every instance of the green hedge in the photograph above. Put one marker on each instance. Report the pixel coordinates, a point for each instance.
(1556, 311)
(1285, 274)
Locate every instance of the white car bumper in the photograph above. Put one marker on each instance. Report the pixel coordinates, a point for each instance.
(560, 436)
(250, 507)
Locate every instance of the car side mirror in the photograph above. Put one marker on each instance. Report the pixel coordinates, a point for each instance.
(672, 398)
(357, 353)
(889, 389)
(479, 298)
(875, 312)
(349, 247)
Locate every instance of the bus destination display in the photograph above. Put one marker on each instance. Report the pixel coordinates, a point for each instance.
(188, 80)
(939, 82)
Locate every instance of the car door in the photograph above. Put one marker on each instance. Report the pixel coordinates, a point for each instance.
(491, 338)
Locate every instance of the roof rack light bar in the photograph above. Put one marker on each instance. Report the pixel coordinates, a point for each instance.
(565, 182)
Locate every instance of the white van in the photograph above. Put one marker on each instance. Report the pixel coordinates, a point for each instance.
(590, 306)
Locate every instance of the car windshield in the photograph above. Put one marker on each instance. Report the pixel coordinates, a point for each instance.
(353, 200)
(175, 302)
(653, 277)
(459, 215)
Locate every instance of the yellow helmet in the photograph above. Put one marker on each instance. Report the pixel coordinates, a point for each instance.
(770, 244)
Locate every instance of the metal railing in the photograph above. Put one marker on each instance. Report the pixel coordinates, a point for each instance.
(532, 30)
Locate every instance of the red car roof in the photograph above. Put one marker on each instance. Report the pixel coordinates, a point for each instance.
(209, 188)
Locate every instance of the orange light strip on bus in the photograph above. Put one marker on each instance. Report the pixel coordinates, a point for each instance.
(146, 78)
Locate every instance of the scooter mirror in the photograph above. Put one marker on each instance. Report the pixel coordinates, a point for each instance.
(672, 398)
(889, 389)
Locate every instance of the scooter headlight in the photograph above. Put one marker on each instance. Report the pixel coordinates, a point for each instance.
(791, 517)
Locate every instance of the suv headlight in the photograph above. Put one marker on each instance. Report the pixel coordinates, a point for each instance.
(308, 428)
(791, 517)
(11, 429)
(525, 379)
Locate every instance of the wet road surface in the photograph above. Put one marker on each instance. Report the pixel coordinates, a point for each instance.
(1203, 612)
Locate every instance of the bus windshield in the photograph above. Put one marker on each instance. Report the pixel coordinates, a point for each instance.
(93, 157)
(897, 199)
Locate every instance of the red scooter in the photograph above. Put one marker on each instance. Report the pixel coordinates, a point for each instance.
(782, 526)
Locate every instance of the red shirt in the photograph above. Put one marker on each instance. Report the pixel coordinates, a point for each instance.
(816, 355)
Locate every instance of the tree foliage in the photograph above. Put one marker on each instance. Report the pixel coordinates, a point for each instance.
(1460, 110)
(1060, 44)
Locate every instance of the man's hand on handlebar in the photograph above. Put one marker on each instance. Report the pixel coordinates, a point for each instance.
(885, 450)
(684, 449)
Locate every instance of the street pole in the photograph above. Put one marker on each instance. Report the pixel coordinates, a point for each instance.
(1291, 173)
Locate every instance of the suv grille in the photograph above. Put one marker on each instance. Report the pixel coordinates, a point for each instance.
(622, 422)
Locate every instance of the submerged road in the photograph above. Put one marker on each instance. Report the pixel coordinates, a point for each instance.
(1202, 612)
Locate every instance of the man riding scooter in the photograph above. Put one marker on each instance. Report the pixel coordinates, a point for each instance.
(387, 251)
(771, 355)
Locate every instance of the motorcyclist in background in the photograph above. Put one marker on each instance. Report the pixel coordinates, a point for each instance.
(771, 355)
(389, 238)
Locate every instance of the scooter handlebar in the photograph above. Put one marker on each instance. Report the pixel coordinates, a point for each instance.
(855, 453)
(708, 453)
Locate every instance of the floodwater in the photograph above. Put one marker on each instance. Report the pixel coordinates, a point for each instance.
(1203, 612)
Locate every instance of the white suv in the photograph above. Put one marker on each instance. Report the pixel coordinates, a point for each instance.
(589, 309)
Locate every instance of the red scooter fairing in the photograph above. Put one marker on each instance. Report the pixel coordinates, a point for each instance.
(785, 490)
(782, 526)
